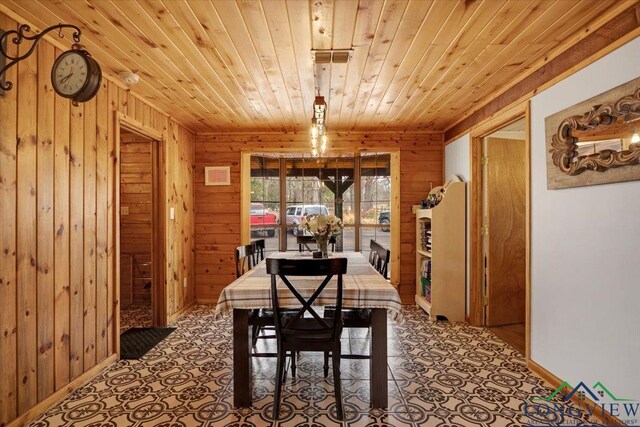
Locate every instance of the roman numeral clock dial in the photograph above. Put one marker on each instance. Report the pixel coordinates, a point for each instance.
(76, 75)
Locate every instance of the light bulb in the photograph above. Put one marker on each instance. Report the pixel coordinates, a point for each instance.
(324, 139)
(635, 138)
(314, 142)
(314, 152)
(323, 148)
(314, 131)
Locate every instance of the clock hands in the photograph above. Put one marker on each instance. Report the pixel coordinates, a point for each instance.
(65, 78)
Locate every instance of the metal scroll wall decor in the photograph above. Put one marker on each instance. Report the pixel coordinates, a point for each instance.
(77, 60)
(598, 146)
(3, 60)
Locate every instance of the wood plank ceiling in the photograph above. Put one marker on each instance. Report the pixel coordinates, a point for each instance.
(246, 65)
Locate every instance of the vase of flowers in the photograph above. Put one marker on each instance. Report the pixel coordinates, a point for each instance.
(322, 228)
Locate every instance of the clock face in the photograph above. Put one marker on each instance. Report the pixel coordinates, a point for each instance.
(70, 73)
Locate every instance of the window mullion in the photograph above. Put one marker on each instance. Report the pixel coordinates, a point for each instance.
(356, 201)
(283, 204)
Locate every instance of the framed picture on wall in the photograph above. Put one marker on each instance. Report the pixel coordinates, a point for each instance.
(217, 175)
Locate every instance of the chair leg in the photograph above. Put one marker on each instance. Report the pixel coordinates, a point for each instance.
(255, 332)
(326, 364)
(337, 385)
(294, 356)
(282, 358)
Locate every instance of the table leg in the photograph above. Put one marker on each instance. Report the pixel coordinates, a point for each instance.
(378, 352)
(241, 359)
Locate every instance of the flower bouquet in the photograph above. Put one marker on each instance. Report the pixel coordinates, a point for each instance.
(322, 228)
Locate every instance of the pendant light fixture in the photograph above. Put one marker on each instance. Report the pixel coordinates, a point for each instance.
(318, 127)
(322, 59)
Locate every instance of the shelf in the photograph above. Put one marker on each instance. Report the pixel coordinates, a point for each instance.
(423, 303)
(440, 240)
(424, 213)
(424, 253)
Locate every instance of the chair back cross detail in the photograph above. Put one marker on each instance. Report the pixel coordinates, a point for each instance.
(291, 324)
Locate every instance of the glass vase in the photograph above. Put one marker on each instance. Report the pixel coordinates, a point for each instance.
(323, 246)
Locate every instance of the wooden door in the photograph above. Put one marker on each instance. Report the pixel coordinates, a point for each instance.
(505, 237)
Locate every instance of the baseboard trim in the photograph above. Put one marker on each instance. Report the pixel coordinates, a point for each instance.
(61, 394)
(606, 418)
(180, 312)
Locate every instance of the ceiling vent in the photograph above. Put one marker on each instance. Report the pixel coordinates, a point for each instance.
(332, 56)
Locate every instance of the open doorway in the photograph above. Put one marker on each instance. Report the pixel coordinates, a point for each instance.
(141, 231)
(499, 222)
(504, 232)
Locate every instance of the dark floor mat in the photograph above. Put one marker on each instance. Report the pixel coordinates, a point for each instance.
(136, 342)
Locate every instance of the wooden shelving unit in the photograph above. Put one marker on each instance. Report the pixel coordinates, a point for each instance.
(441, 238)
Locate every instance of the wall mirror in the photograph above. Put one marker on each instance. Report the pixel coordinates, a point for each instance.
(596, 141)
(617, 136)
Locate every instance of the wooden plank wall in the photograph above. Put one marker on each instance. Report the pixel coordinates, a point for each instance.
(57, 185)
(180, 241)
(217, 212)
(135, 227)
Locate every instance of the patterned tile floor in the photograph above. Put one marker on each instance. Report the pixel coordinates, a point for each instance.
(439, 375)
(135, 315)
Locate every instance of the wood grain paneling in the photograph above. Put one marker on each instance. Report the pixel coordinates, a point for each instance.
(57, 229)
(595, 44)
(103, 305)
(218, 211)
(62, 248)
(26, 231)
(415, 65)
(76, 244)
(506, 242)
(8, 250)
(135, 227)
(45, 230)
(89, 255)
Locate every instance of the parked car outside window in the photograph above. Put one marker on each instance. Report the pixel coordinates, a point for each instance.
(295, 214)
(385, 218)
(263, 220)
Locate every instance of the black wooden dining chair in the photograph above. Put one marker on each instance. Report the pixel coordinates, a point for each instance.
(379, 258)
(294, 332)
(245, 259)
(261, 319)
(361, 317)
(259, 250)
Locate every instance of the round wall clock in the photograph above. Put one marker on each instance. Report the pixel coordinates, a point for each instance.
(76, 75)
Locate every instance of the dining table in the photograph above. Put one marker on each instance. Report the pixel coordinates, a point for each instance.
(363, 287)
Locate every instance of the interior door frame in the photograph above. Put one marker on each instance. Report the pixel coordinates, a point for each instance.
(476, 268)
(158, 222)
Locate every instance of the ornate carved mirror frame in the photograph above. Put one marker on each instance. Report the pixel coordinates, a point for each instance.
(565, 167)
(564, 146)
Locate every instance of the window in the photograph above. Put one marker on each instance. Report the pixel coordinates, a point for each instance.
(375, 206)
(265, 201)
(314, 186)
